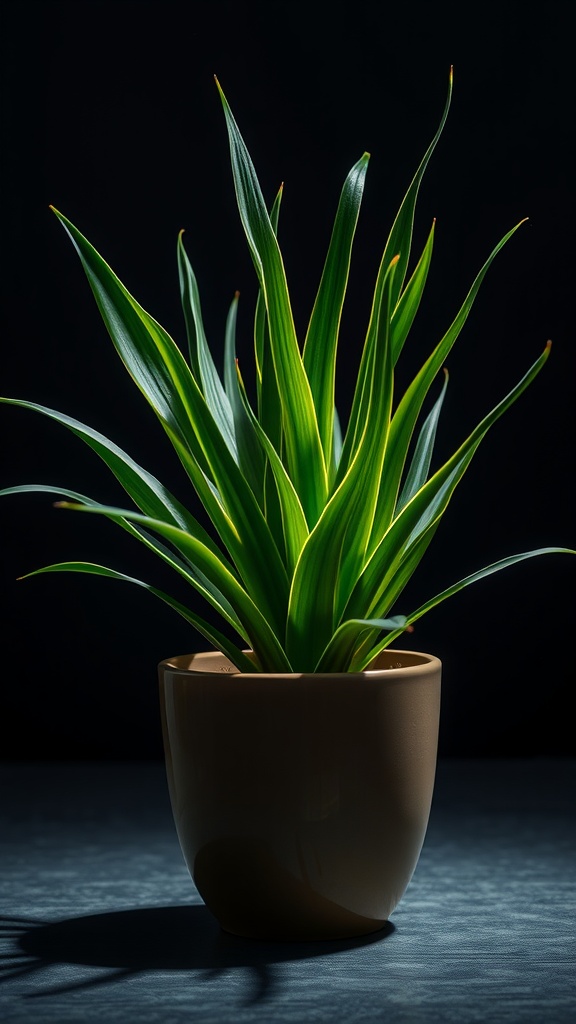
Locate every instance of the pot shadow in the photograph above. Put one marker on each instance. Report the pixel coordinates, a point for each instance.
(172, 938)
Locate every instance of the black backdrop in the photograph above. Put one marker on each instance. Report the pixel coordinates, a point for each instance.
(111, 114)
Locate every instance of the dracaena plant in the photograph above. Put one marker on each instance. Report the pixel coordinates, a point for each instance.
(316, 531)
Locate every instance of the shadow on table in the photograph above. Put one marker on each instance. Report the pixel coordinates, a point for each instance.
(173, 938)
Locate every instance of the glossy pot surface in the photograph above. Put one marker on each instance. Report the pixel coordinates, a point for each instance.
(301, 801)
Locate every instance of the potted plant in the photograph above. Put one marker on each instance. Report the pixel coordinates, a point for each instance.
(300, 750)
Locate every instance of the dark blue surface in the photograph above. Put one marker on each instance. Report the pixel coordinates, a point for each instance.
(101, 921)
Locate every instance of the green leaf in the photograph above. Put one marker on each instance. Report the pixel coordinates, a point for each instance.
(409, 301)
(151, 357)
(201, 360)
(250, 458)
(214, 636)
(322, 338)
(422, 511)
(295, 528)
(405, 570)
(269, 407)
(146, 491)
(371, 453)
(186, 569)
(304, 453)
(334, 552)
(337, 435)
(408, 410)
(503, 563)
(400, 237)
(159, 369)
(401, 322)
(404, 309)
(420, 465)
(262, 637)
(338, 654)
(264, 642)
(268, 399)
(362, 392)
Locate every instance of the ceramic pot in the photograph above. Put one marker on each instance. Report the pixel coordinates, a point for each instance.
(301, 801)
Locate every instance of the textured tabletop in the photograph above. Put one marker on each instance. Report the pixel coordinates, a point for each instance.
(101, 921)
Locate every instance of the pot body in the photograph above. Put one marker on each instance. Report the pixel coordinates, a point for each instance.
(301, 801)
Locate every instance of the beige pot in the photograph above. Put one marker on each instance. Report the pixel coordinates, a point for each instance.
(301, 801)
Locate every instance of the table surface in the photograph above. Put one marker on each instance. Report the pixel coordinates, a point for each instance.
(100, 921)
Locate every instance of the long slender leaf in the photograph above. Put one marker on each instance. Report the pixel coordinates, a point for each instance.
(363, 390)
(151, 357)
(338, 440)
(303, 445)
(405, 570)
(404, 308)
(503, 563)
(371, 455)
(322, 338)
(325, 573)
(146, 491)
(250, 458)
(408, 410)
(159, 369)
(268, 398)
(263, 639)
(420, 465)
(269, 407)
(294, 524)
(339, 653)
(200, 355)
(400, 237)
(409, 301)
(186, 569)
(401, 321)
(423, 509)
(214, 636)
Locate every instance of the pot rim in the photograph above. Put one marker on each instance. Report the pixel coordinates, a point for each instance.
(416, 661)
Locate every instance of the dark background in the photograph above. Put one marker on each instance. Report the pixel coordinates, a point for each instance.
(111, 114)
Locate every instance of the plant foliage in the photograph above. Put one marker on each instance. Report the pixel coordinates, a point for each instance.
(315, 534)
